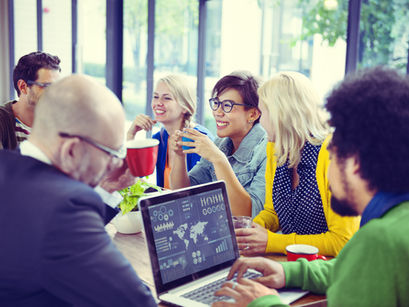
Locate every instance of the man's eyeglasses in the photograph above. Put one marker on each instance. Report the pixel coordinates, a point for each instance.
(227, 105)
(40, 84)
(120, 153)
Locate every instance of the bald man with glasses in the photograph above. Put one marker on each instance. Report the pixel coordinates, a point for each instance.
(33, 73)
(54, 248)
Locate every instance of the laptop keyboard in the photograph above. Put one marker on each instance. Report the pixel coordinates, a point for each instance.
(205, 293)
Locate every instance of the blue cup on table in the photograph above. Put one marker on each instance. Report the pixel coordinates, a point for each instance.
(185, 139)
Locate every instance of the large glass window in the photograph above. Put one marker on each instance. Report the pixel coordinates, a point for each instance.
(213, 56)
(135, 50)
(175, 46)
(91, 49)
(57, 31)
(25, 27)
(305, 36)
(176, 35)
(233, 42)
(268, 36)
(176, 38)
(263, 36)
(384, 34)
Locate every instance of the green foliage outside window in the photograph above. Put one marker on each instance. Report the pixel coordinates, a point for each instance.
(172, 18)
(384, 28)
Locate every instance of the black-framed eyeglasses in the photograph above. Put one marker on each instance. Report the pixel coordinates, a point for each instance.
(40, 84)
(120, 153)
(227, 105)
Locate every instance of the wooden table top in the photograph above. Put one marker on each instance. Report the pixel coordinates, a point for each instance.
(134, 248)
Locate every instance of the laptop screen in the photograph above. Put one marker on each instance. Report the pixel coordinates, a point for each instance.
(189, 234)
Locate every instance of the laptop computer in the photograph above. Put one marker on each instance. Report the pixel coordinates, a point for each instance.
(192, 244)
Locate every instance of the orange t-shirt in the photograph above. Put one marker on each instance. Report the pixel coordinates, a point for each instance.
(166, 173)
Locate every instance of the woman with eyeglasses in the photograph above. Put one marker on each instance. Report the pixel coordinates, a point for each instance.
(297, 190)
(174, 106)
(238, 155)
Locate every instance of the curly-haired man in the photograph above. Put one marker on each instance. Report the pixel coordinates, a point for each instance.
(369, 176)
(33, 73)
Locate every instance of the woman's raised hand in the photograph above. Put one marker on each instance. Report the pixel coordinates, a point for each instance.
(201, 144)
(173, 143)
(140, 122)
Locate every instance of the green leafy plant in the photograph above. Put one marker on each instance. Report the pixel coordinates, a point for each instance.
(132, 194)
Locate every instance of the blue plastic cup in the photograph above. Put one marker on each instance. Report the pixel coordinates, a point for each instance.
(185, 139)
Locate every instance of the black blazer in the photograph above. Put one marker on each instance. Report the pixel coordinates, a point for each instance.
(54, 250)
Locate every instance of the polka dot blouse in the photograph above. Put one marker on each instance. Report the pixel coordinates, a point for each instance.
(300, 210)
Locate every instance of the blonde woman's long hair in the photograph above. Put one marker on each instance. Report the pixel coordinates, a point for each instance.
(183, 92)
(296, 115)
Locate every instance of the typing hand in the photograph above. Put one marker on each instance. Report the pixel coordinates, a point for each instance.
(243, 292)
(272, 271)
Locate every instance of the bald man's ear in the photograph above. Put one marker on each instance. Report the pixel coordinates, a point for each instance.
(70, 155)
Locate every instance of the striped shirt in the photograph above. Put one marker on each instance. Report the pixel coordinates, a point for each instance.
(22, 131)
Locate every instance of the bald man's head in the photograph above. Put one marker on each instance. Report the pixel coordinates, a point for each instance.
(77, 104)
(80, 106)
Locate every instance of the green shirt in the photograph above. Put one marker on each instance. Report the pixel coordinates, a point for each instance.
(371, 270)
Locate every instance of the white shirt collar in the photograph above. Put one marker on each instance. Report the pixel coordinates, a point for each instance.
(29, 149)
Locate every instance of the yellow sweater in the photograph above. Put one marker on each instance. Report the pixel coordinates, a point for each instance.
(340, 229)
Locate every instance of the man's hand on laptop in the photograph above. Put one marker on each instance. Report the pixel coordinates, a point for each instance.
(272, 272)
(243, 292)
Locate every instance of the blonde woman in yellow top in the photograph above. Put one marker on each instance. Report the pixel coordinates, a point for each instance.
(297, 206)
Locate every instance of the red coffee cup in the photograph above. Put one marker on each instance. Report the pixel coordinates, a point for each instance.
(141, 156)
(308, 252)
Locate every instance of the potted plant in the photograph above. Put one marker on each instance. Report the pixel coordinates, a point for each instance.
(129, 220)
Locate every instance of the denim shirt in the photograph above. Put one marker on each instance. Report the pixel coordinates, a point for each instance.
(248, 163)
